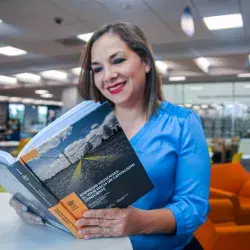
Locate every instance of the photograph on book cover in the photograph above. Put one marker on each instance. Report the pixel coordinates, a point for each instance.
(93, 160)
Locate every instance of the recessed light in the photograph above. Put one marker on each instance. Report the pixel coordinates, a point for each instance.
(177, 78)
(162, 67)
(4, 98)
(28, 77)
(11, 51)
(47, 95)
(202, 63)
(7, 80)
(224, 21)
(15, 99)
(85, 37)
(41, 91)
(38, 102)
(27, 100)
(54, 75)
(243, 75)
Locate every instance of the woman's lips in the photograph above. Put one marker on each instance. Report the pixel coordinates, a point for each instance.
(116, 88)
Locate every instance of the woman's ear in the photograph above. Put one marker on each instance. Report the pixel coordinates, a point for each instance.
(147, 66)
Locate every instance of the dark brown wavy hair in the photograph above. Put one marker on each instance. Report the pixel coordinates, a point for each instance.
(137, 42)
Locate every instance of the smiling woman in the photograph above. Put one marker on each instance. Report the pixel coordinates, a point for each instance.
(118, 67)
(120, 46)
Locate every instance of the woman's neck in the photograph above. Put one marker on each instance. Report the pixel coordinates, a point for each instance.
(130, 118)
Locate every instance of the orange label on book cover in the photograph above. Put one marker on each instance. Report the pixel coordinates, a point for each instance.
(65, 217)
(30, 156)
(75, 205)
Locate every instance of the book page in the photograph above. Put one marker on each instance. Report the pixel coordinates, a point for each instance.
(60, 124)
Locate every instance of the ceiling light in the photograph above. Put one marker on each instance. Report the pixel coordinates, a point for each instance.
(38, 102)
(27, 77)
(4, 98)
(53, 103)
(41, 91)
(224, 21)
(85, 37)
(196, 88)
(163, 68)
(11, 51)
(54, 75)
(76, 71)
(15, 99)
(7, 80)
(177, 78)
(247, 86)
(243, 75)
(47, 95)
(27, 100)
(202, 63)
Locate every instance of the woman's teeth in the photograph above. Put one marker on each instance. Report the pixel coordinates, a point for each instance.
(116, 87)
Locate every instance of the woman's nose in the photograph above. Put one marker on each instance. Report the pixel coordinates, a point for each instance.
(109, 75)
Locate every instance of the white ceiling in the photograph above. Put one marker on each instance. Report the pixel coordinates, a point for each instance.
(30, 25)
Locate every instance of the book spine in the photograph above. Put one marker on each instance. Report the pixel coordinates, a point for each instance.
(34, 185)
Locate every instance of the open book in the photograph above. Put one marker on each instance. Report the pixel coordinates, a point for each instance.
(81, 161)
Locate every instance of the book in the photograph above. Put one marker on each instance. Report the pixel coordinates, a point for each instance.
(81, 161)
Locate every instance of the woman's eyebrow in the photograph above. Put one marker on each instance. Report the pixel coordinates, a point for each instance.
(111, 57)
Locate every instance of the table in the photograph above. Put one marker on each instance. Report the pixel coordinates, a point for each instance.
(8, 146)
(16, 235)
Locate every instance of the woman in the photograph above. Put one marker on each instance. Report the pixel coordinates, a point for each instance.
(118, 66)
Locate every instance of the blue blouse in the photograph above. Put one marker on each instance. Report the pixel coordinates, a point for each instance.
(173, 151)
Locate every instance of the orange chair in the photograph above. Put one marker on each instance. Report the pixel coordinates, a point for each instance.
(224, 236)
(221, 211)
(231, 181)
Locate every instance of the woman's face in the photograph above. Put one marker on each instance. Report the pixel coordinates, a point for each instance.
(119, 73)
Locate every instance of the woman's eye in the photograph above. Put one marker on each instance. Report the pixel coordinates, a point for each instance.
(96, 70)
(118, 60)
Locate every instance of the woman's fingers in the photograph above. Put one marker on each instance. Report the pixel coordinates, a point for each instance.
(30, 218)
(21, 210)
(95, 231)
(18, 206)
(94, 222)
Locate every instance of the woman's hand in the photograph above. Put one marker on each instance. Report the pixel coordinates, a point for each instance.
(22, 212)
(112, 222)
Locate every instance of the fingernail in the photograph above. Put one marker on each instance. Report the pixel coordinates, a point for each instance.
(38, 219)
(86, 214)
(24, 208)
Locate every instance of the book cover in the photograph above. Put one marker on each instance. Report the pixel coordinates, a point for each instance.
(19, 182)
(90, 164)
(39, 199)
